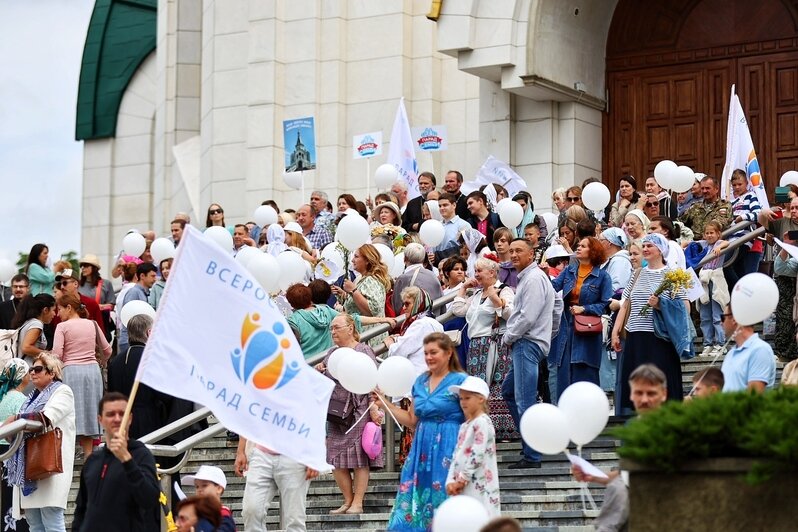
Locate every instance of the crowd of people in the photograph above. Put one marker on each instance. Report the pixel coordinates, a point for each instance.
(555, 300)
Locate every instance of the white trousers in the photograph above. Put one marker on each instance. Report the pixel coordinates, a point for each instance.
(268, 475)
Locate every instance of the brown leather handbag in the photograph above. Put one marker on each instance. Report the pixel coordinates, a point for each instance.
(43, 453)
(587, 325)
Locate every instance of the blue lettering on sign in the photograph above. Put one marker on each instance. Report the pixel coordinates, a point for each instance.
(237, 282)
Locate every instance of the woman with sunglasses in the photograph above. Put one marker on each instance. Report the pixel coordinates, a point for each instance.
(215, 217)
(628, 196)
(40, 276)
(53, 404)
(33, 313)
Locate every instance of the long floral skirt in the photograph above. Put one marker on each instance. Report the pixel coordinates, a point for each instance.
(477, 365)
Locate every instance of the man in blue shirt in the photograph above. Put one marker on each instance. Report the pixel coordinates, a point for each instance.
(453, 225)
(750, 365)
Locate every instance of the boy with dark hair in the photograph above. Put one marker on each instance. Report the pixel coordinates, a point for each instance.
(706, 382)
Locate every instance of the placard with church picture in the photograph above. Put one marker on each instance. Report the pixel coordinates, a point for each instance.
(300, 144)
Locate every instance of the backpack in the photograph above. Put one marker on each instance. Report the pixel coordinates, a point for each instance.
(9, 344)
(789, 375)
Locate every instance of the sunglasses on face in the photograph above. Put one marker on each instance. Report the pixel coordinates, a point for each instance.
(652, 204)
(37, 369)
(572, 199)
(724, 316)
(215, 211)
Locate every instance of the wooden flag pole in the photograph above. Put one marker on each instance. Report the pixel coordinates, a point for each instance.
(126, 417)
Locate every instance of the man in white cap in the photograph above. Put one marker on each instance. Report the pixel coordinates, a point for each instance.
(210, 481)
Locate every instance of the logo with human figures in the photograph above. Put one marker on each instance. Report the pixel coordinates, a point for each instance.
(261, 358)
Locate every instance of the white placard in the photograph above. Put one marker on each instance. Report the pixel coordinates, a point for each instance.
(430, 138)
(791, 249)
(585, 466)
(695, 291)
(367, 145)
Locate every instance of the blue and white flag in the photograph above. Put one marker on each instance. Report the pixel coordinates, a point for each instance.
(402, 153)
(497, 172)
(740, 153)
(218, 340)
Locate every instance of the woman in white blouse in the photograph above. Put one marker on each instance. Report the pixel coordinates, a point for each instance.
(486, 313)
(409, 343)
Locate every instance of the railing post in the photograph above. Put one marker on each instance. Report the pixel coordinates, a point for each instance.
(390, 452)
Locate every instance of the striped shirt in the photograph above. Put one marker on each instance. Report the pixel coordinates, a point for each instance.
(746, 207)
(644, 286)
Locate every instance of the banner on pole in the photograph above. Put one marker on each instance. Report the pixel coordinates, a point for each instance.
(367, 145)
(299, 137)
(219, 340)
(497, 172)
(401, 152)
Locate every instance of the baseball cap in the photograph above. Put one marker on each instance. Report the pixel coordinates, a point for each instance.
(206, 472)
(472, 384)
(293, 226)
(556, 251)
(69, 272)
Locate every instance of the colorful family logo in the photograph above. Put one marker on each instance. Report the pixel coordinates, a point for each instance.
(261, 358)
(429, 140)
(752, 169)
(367, 146)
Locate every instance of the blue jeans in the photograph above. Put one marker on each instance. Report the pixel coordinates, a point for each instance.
(710, 320)
(520, 387)
(47, 519)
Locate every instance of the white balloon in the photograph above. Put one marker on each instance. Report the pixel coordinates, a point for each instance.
(293, 180)
(336, 357)
(663, 173)
(357, 373)
(596, 196)
(265, 269)
(431, 233)
(682, 179)
(385, 176)
(754, 298)
(221, 237)
(501, 203)
(246, 254)
(134, 244)
(265, 215)
(460, 513)
(7, 270)
(587, 410)
(544, 427)
(511, 214)
(352, 232)
(790, 177)
(292, 268)
(398, 265)
(162, 249)
(134, 308)
(396, 376)
(332, 252)
(386, 254)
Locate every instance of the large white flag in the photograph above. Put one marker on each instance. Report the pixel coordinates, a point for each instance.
(219, 340)
(740, 153)
(402, 153)
(497, 172)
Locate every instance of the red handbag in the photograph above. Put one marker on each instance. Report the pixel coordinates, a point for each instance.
(587, 325)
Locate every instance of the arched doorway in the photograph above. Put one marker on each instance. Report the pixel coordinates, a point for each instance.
(670, 66)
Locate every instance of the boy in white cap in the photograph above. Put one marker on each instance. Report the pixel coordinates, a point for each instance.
(210, 481)
(474, 471)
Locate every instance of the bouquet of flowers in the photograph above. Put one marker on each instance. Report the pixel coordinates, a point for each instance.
(674, 280)
(393, 233)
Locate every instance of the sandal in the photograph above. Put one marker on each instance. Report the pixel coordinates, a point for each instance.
(342, 510)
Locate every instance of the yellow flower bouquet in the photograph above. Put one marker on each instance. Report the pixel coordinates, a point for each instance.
(674, 280)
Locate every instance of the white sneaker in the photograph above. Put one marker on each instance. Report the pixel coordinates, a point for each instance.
(707, 352)
(718, 350)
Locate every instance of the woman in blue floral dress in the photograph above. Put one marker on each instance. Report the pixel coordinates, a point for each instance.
(436, 416)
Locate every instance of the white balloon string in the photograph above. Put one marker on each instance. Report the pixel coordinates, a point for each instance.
(729, 340)
(358, 419)
(401, 428)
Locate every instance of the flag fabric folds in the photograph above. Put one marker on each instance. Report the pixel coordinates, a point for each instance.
(740, 153)
(497, 172)
(402, 153)
(219, 340)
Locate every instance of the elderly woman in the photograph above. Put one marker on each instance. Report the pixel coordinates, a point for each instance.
(436, 416)
(344, 450)
(636, 225)
(642, 346)
(418, 323)
(586, 291)
(486, 313)
(14, 378)
(366, 296)
(53, 404)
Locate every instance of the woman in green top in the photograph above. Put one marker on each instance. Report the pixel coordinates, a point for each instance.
(14, 378)
(41, 277)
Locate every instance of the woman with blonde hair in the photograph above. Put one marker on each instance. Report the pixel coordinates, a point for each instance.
(366, 296)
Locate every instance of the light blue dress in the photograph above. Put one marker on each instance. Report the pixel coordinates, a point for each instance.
(422, 485)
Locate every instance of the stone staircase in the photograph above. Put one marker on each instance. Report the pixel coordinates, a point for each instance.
(545, 499)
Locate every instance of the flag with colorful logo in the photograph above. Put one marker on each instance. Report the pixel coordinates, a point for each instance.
(219, 340)
(402, 153)
(740, 153)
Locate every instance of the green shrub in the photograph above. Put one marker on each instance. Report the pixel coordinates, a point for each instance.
(763, 426)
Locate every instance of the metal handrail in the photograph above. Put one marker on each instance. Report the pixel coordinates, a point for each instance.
(736, 227)
(16, 429)
(734, 245)
(180, 424)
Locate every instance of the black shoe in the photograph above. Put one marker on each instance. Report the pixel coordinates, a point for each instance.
(232, 436)
(523, 463)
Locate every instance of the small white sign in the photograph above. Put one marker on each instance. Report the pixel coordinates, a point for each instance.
(792, 250)
(367, 145)
(585, 466)
(696, 290)
(430, 138)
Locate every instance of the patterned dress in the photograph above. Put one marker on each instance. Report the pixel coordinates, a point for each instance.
(422, 485)
(474, 462)
(374, 292)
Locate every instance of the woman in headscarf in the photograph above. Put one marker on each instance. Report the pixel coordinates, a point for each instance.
(275, 238)
(636, 224)
(525, 201)
(13, 380)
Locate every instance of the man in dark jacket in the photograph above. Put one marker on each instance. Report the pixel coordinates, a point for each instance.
(481, 218)
(118, 485)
